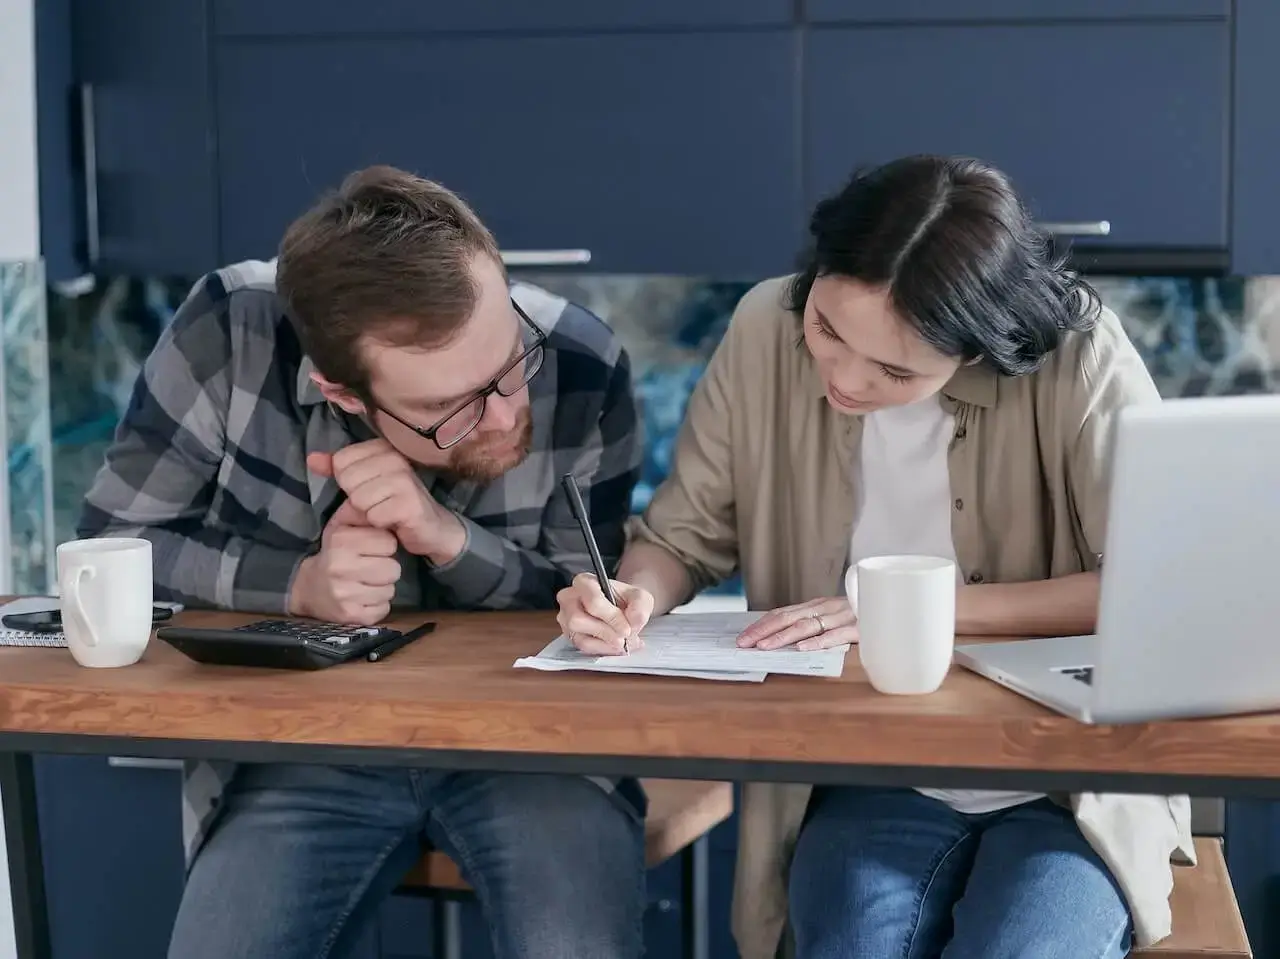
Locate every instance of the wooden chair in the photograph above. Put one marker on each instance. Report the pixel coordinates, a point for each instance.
(1206, 916)
(681, 814)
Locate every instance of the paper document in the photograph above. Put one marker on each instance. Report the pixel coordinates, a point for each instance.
(561, 656)
(702, 644)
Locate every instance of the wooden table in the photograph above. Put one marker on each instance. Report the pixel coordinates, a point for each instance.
(453, 700)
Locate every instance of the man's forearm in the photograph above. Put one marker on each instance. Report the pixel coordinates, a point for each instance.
(213, 569)
(1065, 606)
(448, 541)
(489, 571)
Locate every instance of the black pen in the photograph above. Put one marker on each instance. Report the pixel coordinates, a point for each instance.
(379, 653)
(580, 514)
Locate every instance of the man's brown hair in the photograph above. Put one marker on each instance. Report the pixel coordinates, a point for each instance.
(387, 256)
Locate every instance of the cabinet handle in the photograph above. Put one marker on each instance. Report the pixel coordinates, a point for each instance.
(1083, 228)
(546, 257)
(89, 146)
(138, 762)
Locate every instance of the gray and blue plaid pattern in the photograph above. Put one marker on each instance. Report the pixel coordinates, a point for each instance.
(209, 464)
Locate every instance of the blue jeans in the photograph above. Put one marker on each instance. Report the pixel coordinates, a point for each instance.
(889, 873)
(301, 857)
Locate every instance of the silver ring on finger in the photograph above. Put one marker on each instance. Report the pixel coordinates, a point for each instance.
(822, 627)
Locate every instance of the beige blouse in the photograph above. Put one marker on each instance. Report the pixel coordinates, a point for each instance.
(764, 481)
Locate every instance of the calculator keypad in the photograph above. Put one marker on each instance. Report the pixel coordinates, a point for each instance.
(331, 634)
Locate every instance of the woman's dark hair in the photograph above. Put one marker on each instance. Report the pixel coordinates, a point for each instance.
(959, 255)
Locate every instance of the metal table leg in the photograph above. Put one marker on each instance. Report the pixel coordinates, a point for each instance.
(448, 928)
(696, 892)
(26, 867)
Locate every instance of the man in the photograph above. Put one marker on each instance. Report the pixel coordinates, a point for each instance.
(377, 420)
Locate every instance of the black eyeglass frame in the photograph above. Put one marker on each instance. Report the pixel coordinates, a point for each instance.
(538, 349)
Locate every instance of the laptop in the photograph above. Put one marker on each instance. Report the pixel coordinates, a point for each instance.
(1189, 621)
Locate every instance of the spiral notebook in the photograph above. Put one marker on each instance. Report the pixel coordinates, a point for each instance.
(22, 637)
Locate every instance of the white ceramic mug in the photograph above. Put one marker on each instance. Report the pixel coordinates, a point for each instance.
(105, 591)
(906, 609)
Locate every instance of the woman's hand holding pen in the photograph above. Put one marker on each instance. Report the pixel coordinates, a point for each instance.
(597, 627)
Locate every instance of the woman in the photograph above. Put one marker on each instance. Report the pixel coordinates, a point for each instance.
(932, 381)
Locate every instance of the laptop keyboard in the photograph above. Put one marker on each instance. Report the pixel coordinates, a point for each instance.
(1082, 673)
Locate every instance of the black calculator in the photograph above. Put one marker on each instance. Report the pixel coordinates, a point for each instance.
(278, 643)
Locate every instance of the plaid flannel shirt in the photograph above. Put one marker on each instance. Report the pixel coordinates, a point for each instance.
(209, 464)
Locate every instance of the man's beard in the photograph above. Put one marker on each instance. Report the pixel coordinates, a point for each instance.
(483, 457)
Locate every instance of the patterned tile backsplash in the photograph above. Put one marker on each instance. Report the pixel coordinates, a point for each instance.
(24, 404)
(1199, 336)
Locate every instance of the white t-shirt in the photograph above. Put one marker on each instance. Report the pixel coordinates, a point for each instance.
(905, 507)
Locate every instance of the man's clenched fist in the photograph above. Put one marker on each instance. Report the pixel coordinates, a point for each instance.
(353, 577)
(383, 487)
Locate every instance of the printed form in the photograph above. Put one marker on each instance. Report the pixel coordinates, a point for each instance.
(698, 645)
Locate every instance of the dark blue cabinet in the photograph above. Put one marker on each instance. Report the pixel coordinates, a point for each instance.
(681, 136)
(294, 18)
(1255, 236)
(60, 207)
(910, 11)
(145, 164)
(404, 928)
(1253, 859)
(658, 152)
(1123, 122)
(112, 841)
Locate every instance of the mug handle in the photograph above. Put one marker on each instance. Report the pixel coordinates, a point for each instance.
(77, 604)
(851, 587)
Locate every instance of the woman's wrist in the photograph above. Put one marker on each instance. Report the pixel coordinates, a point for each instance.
(657, 571)
(1064, 606)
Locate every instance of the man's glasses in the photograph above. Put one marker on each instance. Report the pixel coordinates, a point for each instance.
(514, 377)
